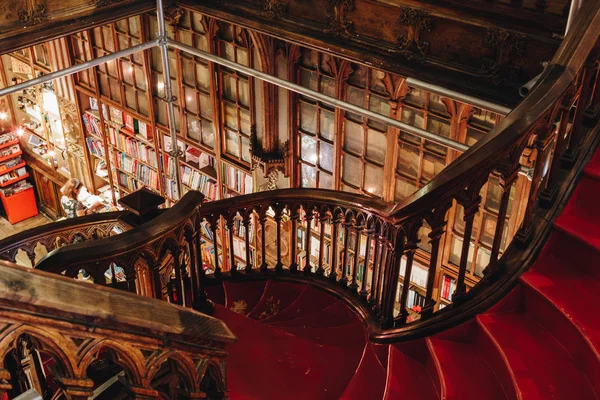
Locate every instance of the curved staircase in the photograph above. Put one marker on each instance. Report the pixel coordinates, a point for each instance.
(542, 341)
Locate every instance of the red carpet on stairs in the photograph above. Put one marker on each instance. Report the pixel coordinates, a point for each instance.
(542, 341)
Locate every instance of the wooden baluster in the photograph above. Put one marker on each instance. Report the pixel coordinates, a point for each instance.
(192, 269)
(322, 221)
(386, 252)
(505, 186)
(437, 230)
(578, 131)
(334, 247)
(345, 270)
(263, 245)
(247, 219)
(363, 290)
(213, 226)
(354, 284)
(470, 211)
(309, 217)
(158, 290)
(232, 265)
(409, 251)
(377, 257)
(591, 111)
(524, 234)
(541, 5)
(548, 195)
(294, 217)
(200, 273)
(180, 292)
(278, 218)
(390, 283)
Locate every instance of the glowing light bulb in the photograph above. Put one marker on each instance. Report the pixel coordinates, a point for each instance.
(20, 131)
(160, 85)
(371, 190)
(3, 116)
(189, 98)
(51, 153)
(130, 70)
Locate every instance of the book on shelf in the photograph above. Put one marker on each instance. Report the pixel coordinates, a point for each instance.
(133, 147)
(170, 187)
(92, 125)
(448, 287)
(237, 180)
(167, 144)
(141, 172)
(95, 146)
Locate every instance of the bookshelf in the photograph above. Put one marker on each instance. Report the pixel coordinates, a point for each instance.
(18, 197)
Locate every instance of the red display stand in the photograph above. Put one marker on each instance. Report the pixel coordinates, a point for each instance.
(18, 197)
(20, 206)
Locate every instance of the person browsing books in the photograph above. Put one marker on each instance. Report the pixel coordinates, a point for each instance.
(72, 206)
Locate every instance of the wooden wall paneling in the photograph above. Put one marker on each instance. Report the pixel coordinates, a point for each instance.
(48, 193)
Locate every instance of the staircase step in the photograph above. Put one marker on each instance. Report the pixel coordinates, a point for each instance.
(592, 169)
(268, 364)
(311, 300)
(242, 297)
(565, 327)
(541, 367)
(408, 377)
(335, 315)
(276, 297)
(382, 352)
(580, 217)
(464, 371)
(349, 336)
(369, 380)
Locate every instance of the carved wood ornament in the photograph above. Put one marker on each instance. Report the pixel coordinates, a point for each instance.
(274, 9)
(417, 21)
(34, 14)
(104, 3)
(337, 25)
(502, 70)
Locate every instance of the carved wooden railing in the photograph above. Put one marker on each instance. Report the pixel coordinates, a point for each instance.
(99, 339)
(156, 259)
(164, 258)
(28, 247)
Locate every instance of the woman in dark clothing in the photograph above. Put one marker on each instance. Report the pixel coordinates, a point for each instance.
(73, 207)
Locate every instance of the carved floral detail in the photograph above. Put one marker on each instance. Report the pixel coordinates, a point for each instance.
(274, 9)
(508, 45)
(34, 15)
(347, 5)
(417, 21)
(273, 307)
(173, 15)
(240, 307)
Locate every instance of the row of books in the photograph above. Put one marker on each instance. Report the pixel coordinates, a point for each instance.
(95, 146)
(448, 287)
(133, 148)
(10, 163)
(7, 151)
(239, 229)
(16, 188)
(141, 172)
(415, 300)
(12, 175)
(128, 182)
(170, 187)
(207, 231)
(237, 180)
(198, 181)
(6, 138)
(92, 125)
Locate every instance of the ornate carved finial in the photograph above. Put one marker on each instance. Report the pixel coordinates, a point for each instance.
(417, 21)
(275, 160)
(274, 9)
(508, 45)
(35, 15)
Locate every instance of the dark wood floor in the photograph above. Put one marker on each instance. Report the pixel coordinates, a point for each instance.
(7, 229)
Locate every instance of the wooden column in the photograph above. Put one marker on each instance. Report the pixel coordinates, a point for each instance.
(364, 292)
(390, 283)
(322, 220)
(309, 217)
(263, 244)
(278, 218)
(409, 251)
(334, 248)
(294, 217)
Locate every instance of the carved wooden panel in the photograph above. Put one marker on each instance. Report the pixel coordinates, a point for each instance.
(48, 200)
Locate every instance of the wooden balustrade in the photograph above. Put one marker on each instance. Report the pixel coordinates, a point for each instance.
(318, 235)
(98, 338)
(28, 247)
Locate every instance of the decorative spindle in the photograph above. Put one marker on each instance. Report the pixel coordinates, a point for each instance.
(363, 290)
(247, 227)
(295, 217)
(334, 247)
(322, 220)
(354, 284)
(263, 244)
(308, 239)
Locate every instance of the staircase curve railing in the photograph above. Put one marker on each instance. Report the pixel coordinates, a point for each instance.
(547, 130)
